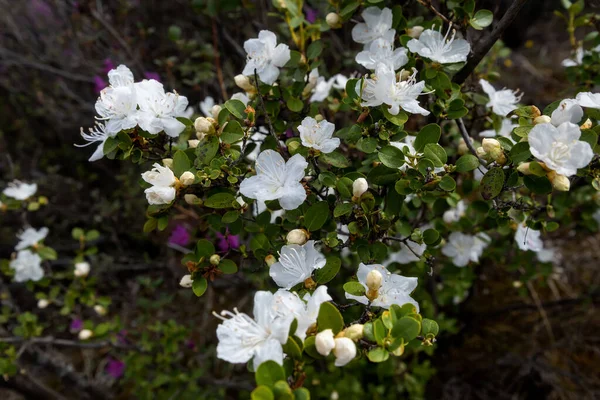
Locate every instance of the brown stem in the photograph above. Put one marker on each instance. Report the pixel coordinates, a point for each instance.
(427, 3)
(217, 56)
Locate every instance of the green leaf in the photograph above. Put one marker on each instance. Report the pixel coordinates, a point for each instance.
(150, 225)
(537, 184)
(295, 104)
(330, 318)
(391, 157)
(282, 391)
(78, 234)
(232, 132)
(262, 393)
(236, 108)
(406, 328)
(316, 216)
(199, 285)
(482, 19)
(47, 253)
(207, 149)
(329, 271)
(344, 187)
(181, 163)
(268, 373)
(230, 216)
(259, 242)
(429, 326)
(467, 162)
(204, 248)
(92, 235)
(354, 288)
(492, 183)
(447, 183)
(398, 120)
(335, 158)
(379, 331)
(220, 200)
(227, 267)
(343, 209)
(436, 154)
(429, 134)
(431, 237)
(520, 152)
(378, 354)
(310, 349)
(314, 50)
(367, 145)
(301, 394)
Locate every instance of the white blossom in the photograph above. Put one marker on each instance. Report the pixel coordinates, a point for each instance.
(502, 101)
(265, 56)
(381, 51)
(243, 97)
(455, 213)
(528, 239)
(339, 81)
(359, 187)
(206, 106)
(305, 310)
(560, 148)
(568, 110)
(186, 281)
(85, 334)
(395, 289)
(296, 264)
(409, 252)
(321, 90)
(82, 269)
(463, 248)
(344, 351)
(325, 342)
(27, 266)
(277, 179)
(579, 54)
(117, 104)
(385, 89)
(318, 135)
(98, 134)
(31, 237)
(432, 45)
(378, 24)
(158, 110)
(505, 130)
(588, 99)
(162, 180)
(20, 190)
(242, 338)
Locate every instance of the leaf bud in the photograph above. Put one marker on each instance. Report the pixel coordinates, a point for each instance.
(243, 82)
(559, 182)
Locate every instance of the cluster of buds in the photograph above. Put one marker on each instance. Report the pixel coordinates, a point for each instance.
(342, 345)
(205, 126)
(559, 182)
(491, 150)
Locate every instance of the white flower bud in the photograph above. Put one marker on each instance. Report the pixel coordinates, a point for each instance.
(374, 280)
(491, 145)
(43, 303)
(204, 125)
(193, 143)
(324, 342)
(559, 182)
(481, 152)
(462, 147)
(240, 201)
(334, 396)
(297, 236)
(542, 119)
(359, 186)
(168, 162)
(344, 351)
(85, 334)
(270, 260)
(186, 281)
(82, 269)
(243, 82)
(192, 199)
(354, 332)
(187, 178)
(215, 110)
(215, 259)
(100, 310)
(415, 31)
(333, 20)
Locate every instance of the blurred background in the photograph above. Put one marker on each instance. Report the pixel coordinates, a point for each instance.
(507, 340)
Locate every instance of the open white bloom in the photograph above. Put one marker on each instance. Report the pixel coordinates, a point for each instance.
(528, 239)
(242, 338)
(395, 289)
(378, 24)
(158, 110)
(82, 269)
(31, 237)
(265, 56)
(325, 342)
(344, 351)
(117, 103)
(381, 51)
(502, 101)
(339, 81)
(579, 54)
(243, 97)
(505, 129)
(162, 180)
(568, 110)
(277, 179)
(455, 213)
(305, 310)
(321, 89)
(463, 248)
(27, 266)
(318, 135)
(385, 89)
(588, 99)
(560, 148)
(296, 264)
(206, 106)
(98, 134)
(20, 190)
(432, 45)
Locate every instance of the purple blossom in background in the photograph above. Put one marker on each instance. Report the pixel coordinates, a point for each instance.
(76, 325)
(40, 8)
(152, 75)
(310, 14)
(122, 337)
(180, 236)
(108, 65)
(289, 133)
(115, 368)
(189, 343)
(99, 83)
(227, 241)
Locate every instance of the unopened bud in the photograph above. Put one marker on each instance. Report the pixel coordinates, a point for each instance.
(319, 117)
(43, 303)
(542, 119)
(168, 162)
(415, 31)
(270, 260)
(243, 82)
(293, 146)
(186, 281)
(100, 310)
(333, 20)
(559, 182)
(344, 351)
(297, 236)
(462, 147)
(524, 168)
(215, 110)
(324, 342)
(359, 186)
(354, 332)
(204, 125)
(82, 269)
(215, 259)
(187, 178)
(85, 334)
(493, 148)
(587, 124)
(481, 152)
(192, 199)
(374, 280)
(193, 143)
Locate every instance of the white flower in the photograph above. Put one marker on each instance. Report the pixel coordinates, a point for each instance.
(560, 148)
(20, 190)
(265, 56)
(505, 129)
(100, 310)
(85, 334)
(277, 179)
(82, 269)
(528, 239)
(98, 134)
(242, 338)
(243, 97)
(339, 81)
(318, 135)
(455, 213)
(158, 110)
(395, 289)
(547, 255)
(432, 45)
(186, 281)
(321, 89)
(120, 76)
(296, 264)
(344, 351)
(305, 311)
(27, 266)
(187, 178)
(162, 180)
(502, 101)
(160, 195)
(382, 51)
(463, 248)
(43, 303)
(409, 252)
(579, 54)
(206, 106)
(588, 99)
(325, 342)
(568, 110)
(385, 89)
(378, 24)
(117, 103)
(30, 237)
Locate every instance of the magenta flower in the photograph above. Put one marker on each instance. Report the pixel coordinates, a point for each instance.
(180, 236)
(99, 84)
(76, 325)
(115, 368)
(227, 241)
(152, 75)
(310, 14)
(108, 65)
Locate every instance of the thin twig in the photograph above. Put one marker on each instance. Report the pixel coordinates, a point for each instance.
(217, 56)
(467, 139)
(264, 109)
(427, 3)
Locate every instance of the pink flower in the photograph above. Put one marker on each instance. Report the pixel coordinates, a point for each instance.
(99, 84)
(115, 368)
(152, 75)
(108, 65)
(180, 236)
(227, 241)
(76, 325)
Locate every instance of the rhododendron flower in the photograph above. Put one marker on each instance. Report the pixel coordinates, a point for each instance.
(206, 106)
(502, 101)
(242, 338)
(381, 51)
(344, 351)
(568, 110)
(76, 325)
(378, 24)
(395, 289)
(98, 134)
(560, 148)
(265, 56)
(277, 179)
(318, 135)
(227, 241)
(27, 266)
(180, 236)
(432, 45)
(296, 264)
(158, 110)
(117, 103)
(409, 252)
(31, 237)
(385, 89)
(463, 248)
(305, 310)
(115, 368)
(20, 190)
(162, 180)
(588, 99)
(505, 129)
(528, 239)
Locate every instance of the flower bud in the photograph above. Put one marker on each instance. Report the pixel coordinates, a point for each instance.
(193, 143)
(359, 186)
(481, 152)
(270, 260)
(333, 20)
(215, 110)
(168, 162)
(542, 119)
(43, 303)
(192, 199)
(559, 182)
(374, 280)
(215, 259)
(85, 334)
(82, 269)
(100, 310)
(297, 236)
(354, 332)
(524, 168)
(243, 82)
(204, 125)
(587, 124)
(187, 178)
(462, 147)
(494, 150)
(324, 342)
(415, 31)
(344, 351)
(186, 281)
(240, 201)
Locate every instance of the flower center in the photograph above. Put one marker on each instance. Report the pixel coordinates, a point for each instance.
(559, 152)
